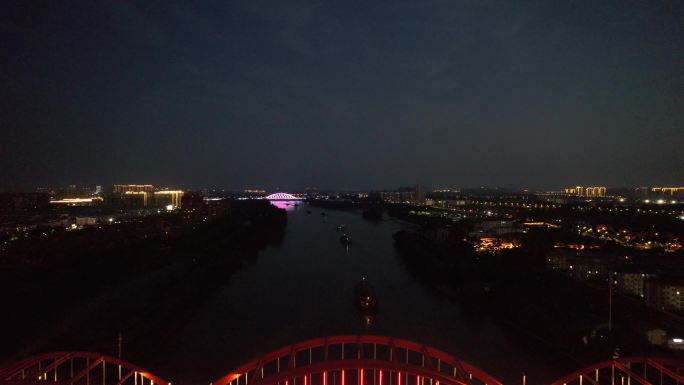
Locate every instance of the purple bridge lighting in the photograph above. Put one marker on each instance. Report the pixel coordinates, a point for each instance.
(281, 196)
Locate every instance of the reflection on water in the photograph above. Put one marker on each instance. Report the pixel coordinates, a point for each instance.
(303, 288)
(368, 319)
(286, 205)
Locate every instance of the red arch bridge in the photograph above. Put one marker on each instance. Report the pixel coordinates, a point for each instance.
(338, 360)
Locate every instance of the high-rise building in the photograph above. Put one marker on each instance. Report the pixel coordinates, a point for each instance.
(587, 192)
(401, 195)
(136, 198)
(168, 198)
(144, 195)
(659, 192)
(633, 282)
(133, 195)
(665, 294)
(124, 188)
(420, 193)
(668, 191)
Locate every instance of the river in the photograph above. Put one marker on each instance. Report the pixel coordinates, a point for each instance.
(303, 288)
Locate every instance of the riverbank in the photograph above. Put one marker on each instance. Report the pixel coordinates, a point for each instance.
(144, 290)
(513, 289)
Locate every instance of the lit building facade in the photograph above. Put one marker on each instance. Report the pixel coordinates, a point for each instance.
(125, 188)
(588, 192)
(168, 198)
(668, 191)
(632, 283)
(416, 195)
(144, 195)
(76, 201)
(665, 295)
(137, 198)
(397, 196)
(659, 192)
(579, 266)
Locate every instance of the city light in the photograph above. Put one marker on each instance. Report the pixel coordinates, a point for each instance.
(75, 201)
(264, 163)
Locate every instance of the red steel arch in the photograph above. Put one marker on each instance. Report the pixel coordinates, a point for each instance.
(76, 368)
(624, 371)
(337, 360)
(357, 360)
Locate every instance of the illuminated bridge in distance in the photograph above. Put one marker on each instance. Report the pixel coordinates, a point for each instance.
(336, 360)
(281, 196)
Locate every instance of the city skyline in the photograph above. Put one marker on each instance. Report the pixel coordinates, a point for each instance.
(568, 189)
(342, 96)
(316, 192)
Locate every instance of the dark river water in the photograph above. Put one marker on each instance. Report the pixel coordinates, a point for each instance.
(303, 288)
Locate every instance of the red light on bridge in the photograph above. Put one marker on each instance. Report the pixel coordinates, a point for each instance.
(56, 365)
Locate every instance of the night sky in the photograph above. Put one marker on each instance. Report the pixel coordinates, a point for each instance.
(342, 94)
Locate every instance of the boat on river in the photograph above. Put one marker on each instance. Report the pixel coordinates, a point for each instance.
(365, 297)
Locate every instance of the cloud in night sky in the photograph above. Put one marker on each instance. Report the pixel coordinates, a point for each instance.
(342, 94)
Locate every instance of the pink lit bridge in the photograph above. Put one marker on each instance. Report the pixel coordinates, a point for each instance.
(336, 360)
(281, 196)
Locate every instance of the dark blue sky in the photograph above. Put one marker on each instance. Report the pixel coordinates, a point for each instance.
(342, 94)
